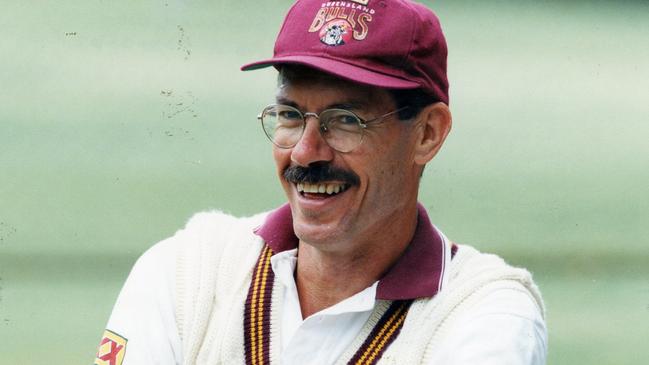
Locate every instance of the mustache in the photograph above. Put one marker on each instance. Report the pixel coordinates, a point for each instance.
(317, 173)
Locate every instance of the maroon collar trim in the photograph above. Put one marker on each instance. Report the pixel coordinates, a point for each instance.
(417, 274)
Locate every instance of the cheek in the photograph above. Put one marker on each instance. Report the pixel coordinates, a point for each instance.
(382, 176)
(391, 174)
(282, 158)
(282, 161)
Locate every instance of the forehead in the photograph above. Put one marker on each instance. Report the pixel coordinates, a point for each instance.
(307, 89)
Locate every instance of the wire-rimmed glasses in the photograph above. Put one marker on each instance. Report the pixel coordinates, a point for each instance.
(342, 129)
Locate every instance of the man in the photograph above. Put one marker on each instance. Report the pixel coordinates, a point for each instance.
(350, 270)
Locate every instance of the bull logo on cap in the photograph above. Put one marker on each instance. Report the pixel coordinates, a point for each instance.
(335, 33)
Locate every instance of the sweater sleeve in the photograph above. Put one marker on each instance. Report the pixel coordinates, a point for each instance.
(504, 328)
(142, 327)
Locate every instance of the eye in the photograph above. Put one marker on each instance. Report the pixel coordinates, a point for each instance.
(286, 117)
(343, 121)
(342, 118)
(289, 114)
(347, 119)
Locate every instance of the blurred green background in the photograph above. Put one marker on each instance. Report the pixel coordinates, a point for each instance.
(120, 119)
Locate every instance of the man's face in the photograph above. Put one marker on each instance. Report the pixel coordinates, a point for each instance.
(377, 180)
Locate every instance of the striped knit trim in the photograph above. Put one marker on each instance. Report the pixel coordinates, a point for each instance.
(383, 334)
(275, 322)
(256, 323)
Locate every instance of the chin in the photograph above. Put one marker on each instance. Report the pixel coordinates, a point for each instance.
(315, 230)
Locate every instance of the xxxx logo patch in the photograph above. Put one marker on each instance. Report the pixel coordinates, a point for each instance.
(111, 349)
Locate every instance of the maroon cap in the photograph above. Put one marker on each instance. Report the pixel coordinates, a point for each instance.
(395, 44)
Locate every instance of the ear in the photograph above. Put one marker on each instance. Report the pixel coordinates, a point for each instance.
(433, 124)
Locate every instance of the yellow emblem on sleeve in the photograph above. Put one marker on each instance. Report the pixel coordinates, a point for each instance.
(111, 349)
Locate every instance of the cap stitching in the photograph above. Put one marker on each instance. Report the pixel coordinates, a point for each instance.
(281, 29)
(404, 61)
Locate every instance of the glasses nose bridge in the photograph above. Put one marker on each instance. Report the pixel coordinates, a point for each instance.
(322, 125)
(310, 114)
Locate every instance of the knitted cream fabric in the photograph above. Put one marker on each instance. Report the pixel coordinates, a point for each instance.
(212, 288)
(472, 276)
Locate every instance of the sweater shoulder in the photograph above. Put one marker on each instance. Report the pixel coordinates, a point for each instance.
(471, 270)
(474, 279)
(216, 230)
(468, 262)
(215, 221)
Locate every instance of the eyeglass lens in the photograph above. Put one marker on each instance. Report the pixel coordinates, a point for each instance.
(284, 126)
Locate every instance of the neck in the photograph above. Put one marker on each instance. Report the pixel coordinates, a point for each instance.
(325, 277)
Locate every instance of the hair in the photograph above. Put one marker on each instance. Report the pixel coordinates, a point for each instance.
(412, 101)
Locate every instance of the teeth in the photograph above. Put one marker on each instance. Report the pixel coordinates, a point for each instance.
(310, 188)
(320, 188)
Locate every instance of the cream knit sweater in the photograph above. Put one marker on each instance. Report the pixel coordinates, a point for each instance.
(217, 253)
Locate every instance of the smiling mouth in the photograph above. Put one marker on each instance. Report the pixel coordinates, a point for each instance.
(308, 189)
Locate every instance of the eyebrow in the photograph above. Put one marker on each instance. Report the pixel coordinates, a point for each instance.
(286, 101)
(348, 105)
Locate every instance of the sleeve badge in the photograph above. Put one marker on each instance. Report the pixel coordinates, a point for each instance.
(111, 349)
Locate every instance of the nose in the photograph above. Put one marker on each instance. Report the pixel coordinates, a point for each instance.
(312, 146)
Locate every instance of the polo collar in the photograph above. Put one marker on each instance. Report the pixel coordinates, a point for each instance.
(417, 273)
